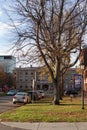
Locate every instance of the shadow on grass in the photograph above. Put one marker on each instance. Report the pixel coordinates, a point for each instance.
(73, 104)
(64, 102)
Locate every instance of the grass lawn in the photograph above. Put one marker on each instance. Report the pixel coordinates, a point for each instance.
(45, 111)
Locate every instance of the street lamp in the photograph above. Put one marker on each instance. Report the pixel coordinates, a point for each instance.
(82, 71)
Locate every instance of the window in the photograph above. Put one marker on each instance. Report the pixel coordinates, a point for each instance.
(26, 78)
(32, 73)
(7, 57)
(31, 80)
(20, 79)
(26, 86)
(21, 86)
(26, 73)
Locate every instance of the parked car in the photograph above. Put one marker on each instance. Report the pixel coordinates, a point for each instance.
(39, 94)
(21, 97)
(12, 92)
(71, 91)
(33, 95)
(42, 93)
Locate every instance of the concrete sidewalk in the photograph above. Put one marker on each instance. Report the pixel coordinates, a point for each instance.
(48, 126)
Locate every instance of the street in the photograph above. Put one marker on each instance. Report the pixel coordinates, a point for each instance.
(5, 105)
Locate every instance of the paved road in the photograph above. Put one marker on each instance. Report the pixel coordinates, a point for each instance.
(6, 103)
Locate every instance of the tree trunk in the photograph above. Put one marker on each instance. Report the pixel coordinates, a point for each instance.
(56, 94)
(61, 87)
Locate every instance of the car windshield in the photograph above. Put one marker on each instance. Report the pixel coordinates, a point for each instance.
(11, 90)
(21, 94)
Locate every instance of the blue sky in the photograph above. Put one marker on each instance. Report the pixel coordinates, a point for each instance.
(5, 41)
(5, 36)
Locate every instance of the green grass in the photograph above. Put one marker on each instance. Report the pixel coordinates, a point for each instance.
(45, 111)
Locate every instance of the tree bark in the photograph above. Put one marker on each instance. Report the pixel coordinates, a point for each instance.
(56, 94)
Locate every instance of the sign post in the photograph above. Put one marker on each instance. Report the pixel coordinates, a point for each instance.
(33, 87)
(82, 69)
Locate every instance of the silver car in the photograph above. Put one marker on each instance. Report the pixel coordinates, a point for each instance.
(21, 97)
(12, 92)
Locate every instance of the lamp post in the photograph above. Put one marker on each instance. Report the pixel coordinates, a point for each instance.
(82, 70)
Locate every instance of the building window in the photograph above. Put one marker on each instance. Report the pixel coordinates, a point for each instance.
(26, 78)
(20, 79)
(26, 73)
(31, 80)
(21, 86)
(32, 73)
(26, 86)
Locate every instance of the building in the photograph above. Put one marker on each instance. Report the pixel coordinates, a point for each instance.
(30, 78)
(83, 65)
(8, 63)
(83, 56)
(72, 80)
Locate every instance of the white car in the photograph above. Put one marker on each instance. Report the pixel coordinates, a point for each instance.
(42, 93)
(21, 97)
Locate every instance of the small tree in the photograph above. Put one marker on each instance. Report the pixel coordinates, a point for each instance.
(2, 78)
(49, 32)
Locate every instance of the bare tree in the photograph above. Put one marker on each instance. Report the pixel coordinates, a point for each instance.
(49, 32)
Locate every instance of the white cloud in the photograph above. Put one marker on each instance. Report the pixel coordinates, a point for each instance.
(0, 13)
(4, 28)
(4, 49)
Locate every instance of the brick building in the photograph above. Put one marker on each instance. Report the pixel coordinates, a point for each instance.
(83, 61)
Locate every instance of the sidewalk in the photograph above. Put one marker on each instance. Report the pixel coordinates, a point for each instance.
(48, 126)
